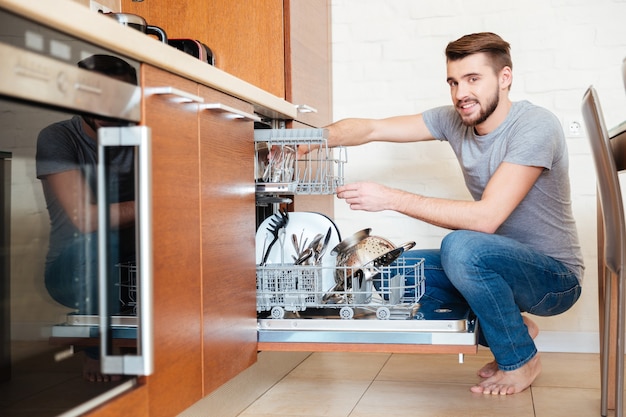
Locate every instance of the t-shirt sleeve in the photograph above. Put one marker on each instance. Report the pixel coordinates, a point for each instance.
(536, 143)
(55, 151)
(438, 121)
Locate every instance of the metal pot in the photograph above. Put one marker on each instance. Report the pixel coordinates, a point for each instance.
(139, 23)
(359, 258)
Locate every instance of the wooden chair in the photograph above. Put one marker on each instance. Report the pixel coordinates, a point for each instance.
(611, 258)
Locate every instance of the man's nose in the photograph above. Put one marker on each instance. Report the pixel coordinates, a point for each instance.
(461, 91)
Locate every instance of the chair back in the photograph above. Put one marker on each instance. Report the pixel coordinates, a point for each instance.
(609, 191)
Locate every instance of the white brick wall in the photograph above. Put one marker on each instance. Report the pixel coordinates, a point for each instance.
(388, 59)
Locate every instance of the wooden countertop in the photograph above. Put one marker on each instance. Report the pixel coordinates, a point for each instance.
(77, 20)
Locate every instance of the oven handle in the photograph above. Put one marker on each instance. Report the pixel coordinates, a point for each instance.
(143, 362)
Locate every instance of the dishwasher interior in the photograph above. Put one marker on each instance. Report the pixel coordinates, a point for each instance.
(315, 288)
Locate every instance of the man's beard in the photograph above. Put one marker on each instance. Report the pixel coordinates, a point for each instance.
(485, 112)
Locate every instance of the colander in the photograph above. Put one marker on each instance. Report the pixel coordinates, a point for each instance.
(359, 257)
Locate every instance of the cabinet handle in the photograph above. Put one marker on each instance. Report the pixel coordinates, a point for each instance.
(235, 112)
(305, 108)
(143, 362)
(168, 90)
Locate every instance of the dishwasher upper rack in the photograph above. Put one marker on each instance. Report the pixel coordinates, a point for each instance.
(391, 291)
(280, 170)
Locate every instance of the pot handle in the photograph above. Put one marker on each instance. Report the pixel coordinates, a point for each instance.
(158, 32)
(407, 246)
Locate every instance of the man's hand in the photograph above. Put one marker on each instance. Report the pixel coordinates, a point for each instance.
(367, 196)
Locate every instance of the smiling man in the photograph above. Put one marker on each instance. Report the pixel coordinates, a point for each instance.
(514, 248)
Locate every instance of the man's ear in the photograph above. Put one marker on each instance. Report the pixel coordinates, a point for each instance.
(505, 78)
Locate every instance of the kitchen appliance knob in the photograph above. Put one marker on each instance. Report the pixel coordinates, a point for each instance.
(62, 82)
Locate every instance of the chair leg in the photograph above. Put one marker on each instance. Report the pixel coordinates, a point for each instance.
(604, 292)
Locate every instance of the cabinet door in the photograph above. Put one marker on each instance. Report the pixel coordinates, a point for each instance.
(228, 230)
(246, 37)
(308, 59)
(177, 379)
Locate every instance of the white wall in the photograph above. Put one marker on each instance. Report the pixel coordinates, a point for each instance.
(388, 59)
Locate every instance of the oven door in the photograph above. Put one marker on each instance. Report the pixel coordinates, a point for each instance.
(75, 290)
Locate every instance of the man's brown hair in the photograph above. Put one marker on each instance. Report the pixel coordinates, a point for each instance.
(496, 48)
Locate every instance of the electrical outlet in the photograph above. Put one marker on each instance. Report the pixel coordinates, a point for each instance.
(573, 127)
(99, 7)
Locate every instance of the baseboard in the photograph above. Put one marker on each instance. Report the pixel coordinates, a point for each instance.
(568, 342)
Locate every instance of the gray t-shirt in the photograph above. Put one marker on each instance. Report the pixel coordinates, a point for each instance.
(64, 146)
(531, 136)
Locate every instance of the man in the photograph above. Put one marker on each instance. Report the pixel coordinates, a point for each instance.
(515, 247)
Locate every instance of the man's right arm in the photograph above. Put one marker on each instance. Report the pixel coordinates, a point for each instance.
(351, 132)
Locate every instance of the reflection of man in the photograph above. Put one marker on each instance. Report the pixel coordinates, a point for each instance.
(67, 159)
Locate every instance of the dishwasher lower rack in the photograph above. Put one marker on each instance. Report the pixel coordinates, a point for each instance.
(391, 291)
(297, 161)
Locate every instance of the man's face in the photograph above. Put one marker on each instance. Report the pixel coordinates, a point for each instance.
(474, 88)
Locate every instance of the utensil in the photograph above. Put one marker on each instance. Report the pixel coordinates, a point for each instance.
(294, 242)
(276, 224)
(305, 256)
(324, 246)
(389, 257)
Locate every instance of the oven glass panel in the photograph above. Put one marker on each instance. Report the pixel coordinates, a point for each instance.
(49, 330)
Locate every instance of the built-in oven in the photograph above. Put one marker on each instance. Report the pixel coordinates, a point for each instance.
(75, 244)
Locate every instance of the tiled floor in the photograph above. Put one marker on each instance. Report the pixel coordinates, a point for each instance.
(372, 385)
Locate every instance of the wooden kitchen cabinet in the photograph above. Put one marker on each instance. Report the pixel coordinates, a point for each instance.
(246, 37)
(176, 381)
(228, 229)
(308, 60)
(281, 46)
(203, 245)
(177, 378)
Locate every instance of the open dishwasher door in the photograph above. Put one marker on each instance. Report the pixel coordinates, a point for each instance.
(377, 310)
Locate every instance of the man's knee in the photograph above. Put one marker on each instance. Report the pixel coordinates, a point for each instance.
(458, 246)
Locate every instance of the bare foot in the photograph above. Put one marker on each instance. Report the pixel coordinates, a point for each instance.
(92, 373)
(491, 368)
(510, 382)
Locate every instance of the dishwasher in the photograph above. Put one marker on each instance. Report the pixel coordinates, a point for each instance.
(319, 292)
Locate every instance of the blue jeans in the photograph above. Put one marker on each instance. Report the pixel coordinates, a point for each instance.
(498, 278)
(72, 278)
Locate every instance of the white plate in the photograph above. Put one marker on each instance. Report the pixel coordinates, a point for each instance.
(304, 225)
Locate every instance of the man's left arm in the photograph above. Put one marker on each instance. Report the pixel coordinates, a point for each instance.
(506, 189)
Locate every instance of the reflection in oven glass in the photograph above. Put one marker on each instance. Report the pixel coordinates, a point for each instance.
(49, 348)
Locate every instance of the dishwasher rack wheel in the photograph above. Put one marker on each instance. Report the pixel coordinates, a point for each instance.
(277, 312)
(383, 313)
(346, 313)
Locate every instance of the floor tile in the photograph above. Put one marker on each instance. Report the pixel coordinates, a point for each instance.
(295, 396)
(341, 365)
(419, 399)
(434, 368)
(576, 370)
(566, 402)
